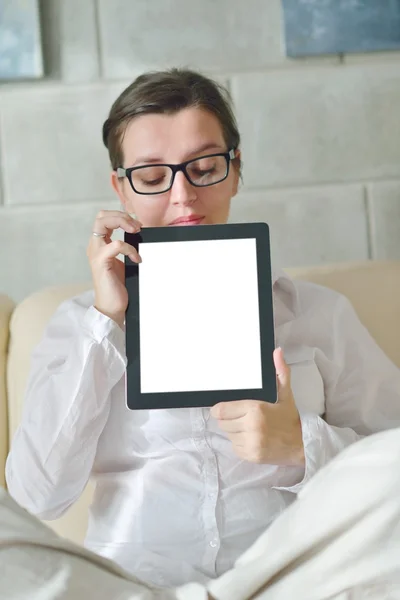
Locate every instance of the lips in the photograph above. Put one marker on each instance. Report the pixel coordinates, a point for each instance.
(187, 221)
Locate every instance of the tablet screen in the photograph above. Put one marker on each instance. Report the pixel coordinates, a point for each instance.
(199, 323)
(199, 316)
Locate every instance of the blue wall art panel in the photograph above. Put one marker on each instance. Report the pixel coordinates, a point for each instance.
(20, 43)
(315, 27)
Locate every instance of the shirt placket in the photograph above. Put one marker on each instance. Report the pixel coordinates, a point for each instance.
(211, 489)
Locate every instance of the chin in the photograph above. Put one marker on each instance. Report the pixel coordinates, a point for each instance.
(221, 221)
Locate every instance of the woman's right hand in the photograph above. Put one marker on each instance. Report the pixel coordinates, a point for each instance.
(108, 272)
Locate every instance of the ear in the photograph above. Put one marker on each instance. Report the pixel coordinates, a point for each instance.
(237, 165)
(118, 187)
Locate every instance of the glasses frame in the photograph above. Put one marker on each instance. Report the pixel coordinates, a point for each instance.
(122, 172)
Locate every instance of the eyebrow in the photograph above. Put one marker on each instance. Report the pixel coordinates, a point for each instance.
(203, 148)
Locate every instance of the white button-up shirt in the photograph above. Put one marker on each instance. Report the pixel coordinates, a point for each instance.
(172, 501)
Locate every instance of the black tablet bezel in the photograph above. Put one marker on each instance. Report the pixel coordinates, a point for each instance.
(136, 400)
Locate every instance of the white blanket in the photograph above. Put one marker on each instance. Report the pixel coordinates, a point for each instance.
(340, 540)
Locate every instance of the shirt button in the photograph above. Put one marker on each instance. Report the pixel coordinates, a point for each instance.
(213, 543)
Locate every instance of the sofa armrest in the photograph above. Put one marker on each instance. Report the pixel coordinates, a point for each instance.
(6, 309)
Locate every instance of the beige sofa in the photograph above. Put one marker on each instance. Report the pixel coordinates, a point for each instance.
(372, 287)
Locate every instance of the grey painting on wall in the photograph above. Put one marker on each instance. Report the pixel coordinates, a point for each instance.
(20, 43)
(338, 26)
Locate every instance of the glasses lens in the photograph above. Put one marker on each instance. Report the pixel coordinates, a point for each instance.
(152, 179)
(207, 170)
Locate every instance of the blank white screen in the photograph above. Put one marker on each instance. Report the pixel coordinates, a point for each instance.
(199, 316)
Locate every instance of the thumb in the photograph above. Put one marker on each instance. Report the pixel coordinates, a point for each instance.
(282, 376)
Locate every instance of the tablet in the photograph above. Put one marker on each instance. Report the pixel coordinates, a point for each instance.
(199, 323)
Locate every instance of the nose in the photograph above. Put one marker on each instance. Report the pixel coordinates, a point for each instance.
(182, 191)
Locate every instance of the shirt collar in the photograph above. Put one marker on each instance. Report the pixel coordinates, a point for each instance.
(285, 297)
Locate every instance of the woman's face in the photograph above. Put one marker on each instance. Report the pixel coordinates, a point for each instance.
(173, 139)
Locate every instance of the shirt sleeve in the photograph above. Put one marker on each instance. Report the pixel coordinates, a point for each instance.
(79, 360)
(362, 392)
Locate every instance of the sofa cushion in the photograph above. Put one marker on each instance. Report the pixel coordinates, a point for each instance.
(6, 308)
(373, 288)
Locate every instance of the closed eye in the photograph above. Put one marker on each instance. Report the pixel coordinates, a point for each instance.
(151, 182)
(202, 172)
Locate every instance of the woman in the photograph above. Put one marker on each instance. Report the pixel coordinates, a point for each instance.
(180, 494)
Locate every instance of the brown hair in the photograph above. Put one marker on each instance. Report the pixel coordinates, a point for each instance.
(168, 92)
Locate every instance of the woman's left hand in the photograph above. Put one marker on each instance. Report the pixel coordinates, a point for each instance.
(262, 432)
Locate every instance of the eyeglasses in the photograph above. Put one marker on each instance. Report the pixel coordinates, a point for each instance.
(159, 178)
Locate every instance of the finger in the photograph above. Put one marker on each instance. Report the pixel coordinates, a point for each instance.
(232, 410)
(119, 247)
(107, 221)
(239, 440)
(232, 425)
(282, 375)
(117, 213)
(108, 224)
(106, 214)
